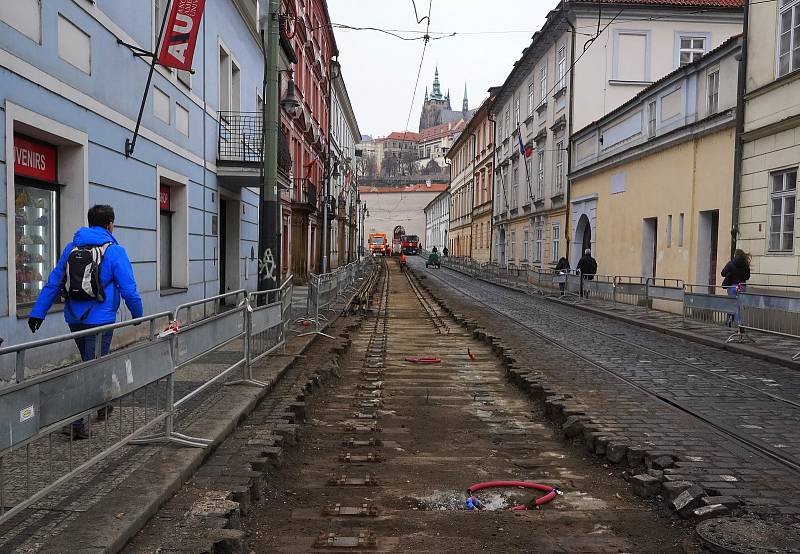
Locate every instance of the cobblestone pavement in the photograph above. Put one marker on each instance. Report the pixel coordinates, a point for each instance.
(725, 417)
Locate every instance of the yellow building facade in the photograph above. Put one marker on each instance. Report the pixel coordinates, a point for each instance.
(652, 188)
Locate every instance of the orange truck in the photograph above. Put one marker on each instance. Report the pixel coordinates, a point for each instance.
(378, 244)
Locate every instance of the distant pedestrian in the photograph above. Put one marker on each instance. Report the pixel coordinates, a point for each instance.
(444, 251)
(434, 250)
(561, 268)
(588, 268)
(736, 273)
(93, 252)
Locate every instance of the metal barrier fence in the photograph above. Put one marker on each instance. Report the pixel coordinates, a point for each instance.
(132, 389)
(767, 309)
(325, 289)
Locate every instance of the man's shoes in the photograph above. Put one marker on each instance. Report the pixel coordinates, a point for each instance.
(104, 413)
(77, 432)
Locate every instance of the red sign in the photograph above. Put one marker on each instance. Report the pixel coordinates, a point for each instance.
(180, 35)
(35, 159)
(163, 197)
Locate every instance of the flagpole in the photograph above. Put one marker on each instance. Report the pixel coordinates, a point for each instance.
(130, 143)
(525, 163)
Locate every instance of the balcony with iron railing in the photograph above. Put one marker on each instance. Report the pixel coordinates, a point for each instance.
(239, 150)
(304, 195)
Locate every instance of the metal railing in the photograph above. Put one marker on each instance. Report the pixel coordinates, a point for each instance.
(325, 289)
(133, 387)
(773, 310)
(240, 135)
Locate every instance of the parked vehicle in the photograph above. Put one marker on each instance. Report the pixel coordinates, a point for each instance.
(411, 245)
(378, 245)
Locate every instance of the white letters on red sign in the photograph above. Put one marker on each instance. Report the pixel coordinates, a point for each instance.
(180, 35)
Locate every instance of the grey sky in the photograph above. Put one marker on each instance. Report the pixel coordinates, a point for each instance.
(380, 70)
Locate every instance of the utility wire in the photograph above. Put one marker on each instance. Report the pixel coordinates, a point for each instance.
(416, 16)
(426, 39)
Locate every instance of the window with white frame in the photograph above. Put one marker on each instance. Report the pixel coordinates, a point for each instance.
(516, 111)
(513, 249)
(528, 171)
(525, 240)
(561, 67)
(713, 91)
(530, 98)
(515, 186)
(508, 123)
(789, 37)
(543, 84)
(558, 178)
(651, 119)
(538, 237)
(556, 242)
(783, 194)
(691, 49)
(540, 175)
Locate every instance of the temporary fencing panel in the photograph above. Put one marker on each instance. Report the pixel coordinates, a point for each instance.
(630, 290)
(708, 304)
(600, 286)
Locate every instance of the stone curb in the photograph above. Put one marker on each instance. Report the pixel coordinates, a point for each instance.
(574, 424)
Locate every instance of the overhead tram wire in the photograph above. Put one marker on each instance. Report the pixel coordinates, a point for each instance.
(426, 39)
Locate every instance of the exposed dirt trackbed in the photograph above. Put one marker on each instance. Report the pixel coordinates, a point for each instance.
(398, 443)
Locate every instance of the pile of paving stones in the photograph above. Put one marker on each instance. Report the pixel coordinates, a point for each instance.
(653, 474)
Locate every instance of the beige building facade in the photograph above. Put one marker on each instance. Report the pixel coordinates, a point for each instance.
(652, 184)
(564, 81)
(483, 130)
(461, 159)
(767, 224)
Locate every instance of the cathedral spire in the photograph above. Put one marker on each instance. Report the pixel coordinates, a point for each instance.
(436, 93)
(426, 94)
(465, 104)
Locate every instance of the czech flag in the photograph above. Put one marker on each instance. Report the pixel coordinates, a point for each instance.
(525, 152)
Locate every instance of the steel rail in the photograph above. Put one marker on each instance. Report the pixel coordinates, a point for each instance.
(724, 430)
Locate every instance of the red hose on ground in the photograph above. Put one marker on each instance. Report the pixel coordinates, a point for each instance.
(424, 360)
(552, 492)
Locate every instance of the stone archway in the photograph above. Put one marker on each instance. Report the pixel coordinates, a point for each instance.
(584, 224)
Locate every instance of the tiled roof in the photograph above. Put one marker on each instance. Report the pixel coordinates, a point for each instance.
(681, 3)
(441, 130)
(401, 135)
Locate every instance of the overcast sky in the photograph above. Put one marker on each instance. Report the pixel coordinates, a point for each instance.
(380, 70)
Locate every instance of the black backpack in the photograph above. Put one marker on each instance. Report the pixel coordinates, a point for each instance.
(82, 274)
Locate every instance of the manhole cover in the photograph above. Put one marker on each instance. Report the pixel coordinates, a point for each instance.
(743, 535)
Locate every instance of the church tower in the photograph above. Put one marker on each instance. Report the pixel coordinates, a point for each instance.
(465, 104)
(436, 109)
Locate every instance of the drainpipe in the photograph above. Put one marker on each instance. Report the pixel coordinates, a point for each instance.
(738, 143)
(569, 141)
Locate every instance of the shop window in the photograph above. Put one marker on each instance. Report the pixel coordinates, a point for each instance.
(165, 238)
(173, 232)
(36, 197)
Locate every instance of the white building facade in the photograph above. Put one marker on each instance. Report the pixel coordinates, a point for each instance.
(437, 221)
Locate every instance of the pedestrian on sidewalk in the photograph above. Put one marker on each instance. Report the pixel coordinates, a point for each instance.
(736, 273)
(444, 251)
(588, 268)
(562, 267)
(83, 308)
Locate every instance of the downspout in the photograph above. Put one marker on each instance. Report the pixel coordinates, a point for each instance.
(569, 139)
(491, 174)
(738, 148)
(472, 196)
(205, 149)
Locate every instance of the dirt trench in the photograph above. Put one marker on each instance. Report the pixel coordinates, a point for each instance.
(390, 449)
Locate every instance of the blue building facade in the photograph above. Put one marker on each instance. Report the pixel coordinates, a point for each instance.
(69, 99)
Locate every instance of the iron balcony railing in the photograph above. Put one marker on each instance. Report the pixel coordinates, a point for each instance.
(305, 193)
(240, 137)
(240, 140)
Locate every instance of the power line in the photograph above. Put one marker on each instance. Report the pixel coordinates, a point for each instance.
(426, 38)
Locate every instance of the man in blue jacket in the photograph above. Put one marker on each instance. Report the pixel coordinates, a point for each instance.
(117, 280)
